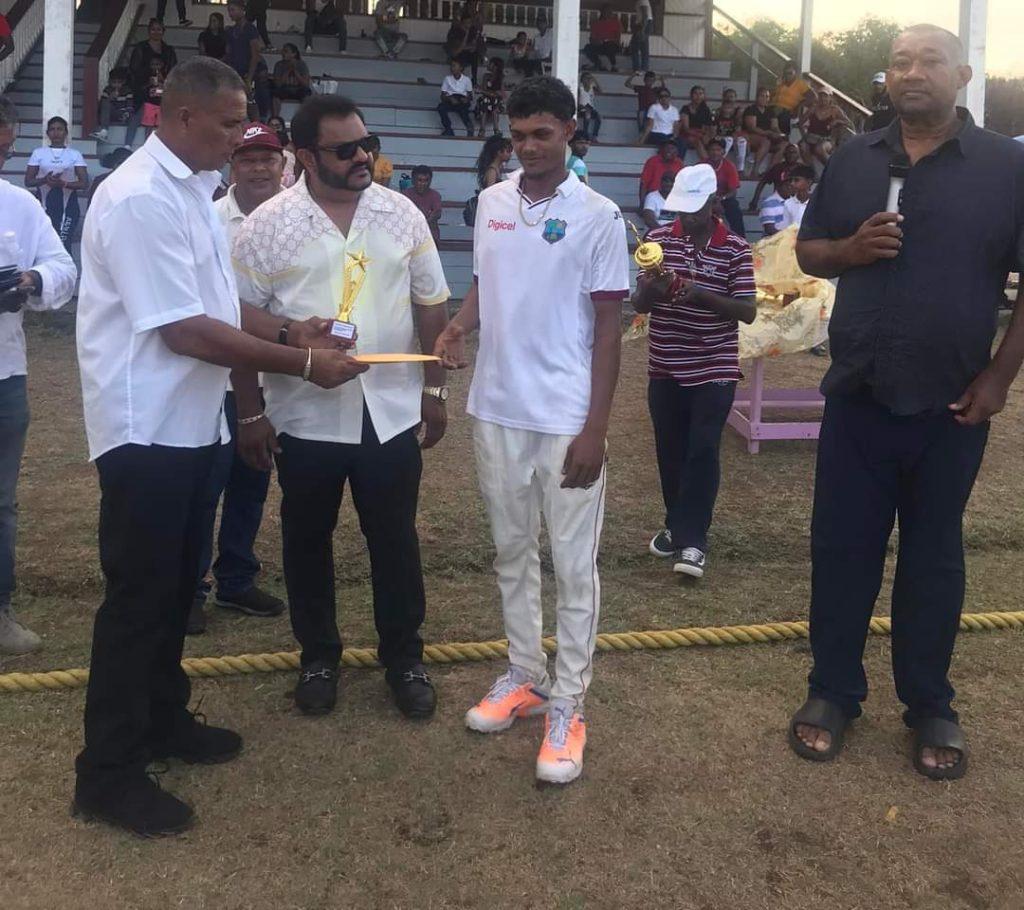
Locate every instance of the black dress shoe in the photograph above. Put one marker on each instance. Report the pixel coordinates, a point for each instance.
(136, 804)
(196, 743)
(413, 691)
(317, 691)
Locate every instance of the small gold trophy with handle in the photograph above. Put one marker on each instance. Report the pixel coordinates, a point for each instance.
(649, 257)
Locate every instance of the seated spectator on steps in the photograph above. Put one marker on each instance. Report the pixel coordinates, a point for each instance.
(776, 174)
(729, 127)
(457, 98)
(761, 126)
(138, 67)
(521, 57)
(820, 128)
(543, 41)
(579, 145)
(382, 166)
(728, 184)
(772, 215)
(792, 94)
(653, 211)
(586, 108)
(117, 104)
(605, 39)
(427, 200)
(328, 21)
(801, 183)
(698, 121)
(290, 81)
(490, 103)
(666, 161)
(57, 172)
(646, 94)
(6, 38)
(463, 44)
(388, 36)
(212, 41)
(663, 123)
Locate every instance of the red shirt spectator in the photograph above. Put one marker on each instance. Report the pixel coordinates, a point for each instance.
(666, 161)
(6, 41)
(603, 30)
(728, 176)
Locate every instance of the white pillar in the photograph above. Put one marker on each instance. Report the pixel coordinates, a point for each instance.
(58, 59)
(806, 27)
(973, 23)
(566, 54)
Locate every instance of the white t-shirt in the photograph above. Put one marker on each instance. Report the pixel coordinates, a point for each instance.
(793, 212)
(664, 118)
(461, 86)
(655, 203)
(61, 162)
(153, 253)
(586, 99)
(41, 251)
(542, 45)
(538, 282)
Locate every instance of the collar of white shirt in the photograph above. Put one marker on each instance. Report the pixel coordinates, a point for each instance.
(565, 189)
(158, 150)
(234, 212)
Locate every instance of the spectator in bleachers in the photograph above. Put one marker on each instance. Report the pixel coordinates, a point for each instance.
(729, 127)
(6, 38)
(155, 92)
(57, 172)
(390, 39)
(256, 13)
(820, 127)
(462, 44)
(289, 176)
(761, 126)
(771, 214)
(183, 20)
(652, 209)
(698, 121)
(490, 103)
(801, 183)
(666, 161)
(328, 21)
(116, 103)
(543, 41)
(640, 40)
(882, 111)
(777, 174)
(138, 67)
(586, 109)
(522, 57)
(605, 39)
(245, 56)
(491, 162)
(212, 40)
(290, 81)
(663, 123)
(427, 200)
(579, 145)
(457, 98)
(792, 94)
(728, 184)
(383, 169)
(646, 95)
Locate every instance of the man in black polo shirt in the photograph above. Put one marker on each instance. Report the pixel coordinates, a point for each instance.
(910, 392)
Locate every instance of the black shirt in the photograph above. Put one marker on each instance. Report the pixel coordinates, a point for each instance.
(916, 330)
(699, 118)
(882, 113)
(138, 66)
(764, 118)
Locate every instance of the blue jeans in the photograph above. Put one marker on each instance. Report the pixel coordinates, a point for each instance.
(640, 47)
(244, 490)
(13, 429)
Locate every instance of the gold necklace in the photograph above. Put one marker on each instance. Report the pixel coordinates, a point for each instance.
(522, 214)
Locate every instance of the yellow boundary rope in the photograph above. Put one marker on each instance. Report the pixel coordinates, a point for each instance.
(214, 667)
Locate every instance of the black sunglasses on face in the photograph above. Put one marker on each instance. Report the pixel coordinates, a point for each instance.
(347, 150)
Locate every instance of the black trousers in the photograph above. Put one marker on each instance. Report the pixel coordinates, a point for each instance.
(688, 423)
(384, 480)
(161, 8)
(609, 49)
(150, 535)
(734, 216)
(446, 109)
(873, 467)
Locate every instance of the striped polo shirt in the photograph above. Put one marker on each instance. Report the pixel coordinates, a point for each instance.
(688, 342)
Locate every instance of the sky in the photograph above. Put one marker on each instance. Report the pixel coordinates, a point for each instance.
(1005, 54)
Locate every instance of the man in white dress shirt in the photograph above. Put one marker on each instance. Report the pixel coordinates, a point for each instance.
(338, 245)
(158, 332)
(44, 280)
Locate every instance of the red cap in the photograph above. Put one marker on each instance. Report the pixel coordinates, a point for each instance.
(259, 136)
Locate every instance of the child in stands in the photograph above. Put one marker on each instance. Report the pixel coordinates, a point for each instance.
(116, 103)
(154, 94)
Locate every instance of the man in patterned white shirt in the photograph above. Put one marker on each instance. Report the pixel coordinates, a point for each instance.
(340, 246)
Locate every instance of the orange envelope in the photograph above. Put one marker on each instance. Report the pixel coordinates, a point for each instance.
(395, 358)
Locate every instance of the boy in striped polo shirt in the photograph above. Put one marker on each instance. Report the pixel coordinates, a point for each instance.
(707, 289)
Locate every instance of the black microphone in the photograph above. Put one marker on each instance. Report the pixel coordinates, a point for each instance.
(899, 167)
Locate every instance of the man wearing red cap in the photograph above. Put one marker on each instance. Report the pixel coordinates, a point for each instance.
(257, 165)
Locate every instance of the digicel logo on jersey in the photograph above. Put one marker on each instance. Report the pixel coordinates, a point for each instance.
(493, 225)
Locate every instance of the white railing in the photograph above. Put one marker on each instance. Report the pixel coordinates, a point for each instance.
(494, 13)
(27, 32)
(118, 40)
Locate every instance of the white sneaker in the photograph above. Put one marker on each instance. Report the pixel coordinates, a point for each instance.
(100, 134)
(690, 562)
(661, 544)
(14, 637)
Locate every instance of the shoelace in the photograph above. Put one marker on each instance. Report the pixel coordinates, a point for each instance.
(503, 685)
(691, 554)
(558, 731)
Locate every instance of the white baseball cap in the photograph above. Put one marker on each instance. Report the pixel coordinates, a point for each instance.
(878, 79)
(693, 187)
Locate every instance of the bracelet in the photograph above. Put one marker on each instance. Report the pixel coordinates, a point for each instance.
(308, 368)
(245, 421)
(282, 333)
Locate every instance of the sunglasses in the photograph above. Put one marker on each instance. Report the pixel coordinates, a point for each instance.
(347, 150)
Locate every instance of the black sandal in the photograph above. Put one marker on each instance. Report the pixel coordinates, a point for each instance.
(826, 715)
(939, 733)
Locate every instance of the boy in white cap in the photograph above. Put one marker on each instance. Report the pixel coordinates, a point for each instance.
(882, 110)
(695, 307)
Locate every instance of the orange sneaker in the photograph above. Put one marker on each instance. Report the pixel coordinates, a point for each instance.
(560, 760)
(513, 695)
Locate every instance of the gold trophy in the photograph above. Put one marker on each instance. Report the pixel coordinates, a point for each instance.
(648, 257)
(355, 276)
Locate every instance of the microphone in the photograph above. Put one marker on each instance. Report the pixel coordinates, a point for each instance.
(899, 167)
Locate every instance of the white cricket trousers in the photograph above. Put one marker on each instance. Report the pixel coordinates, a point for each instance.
(520, 474)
